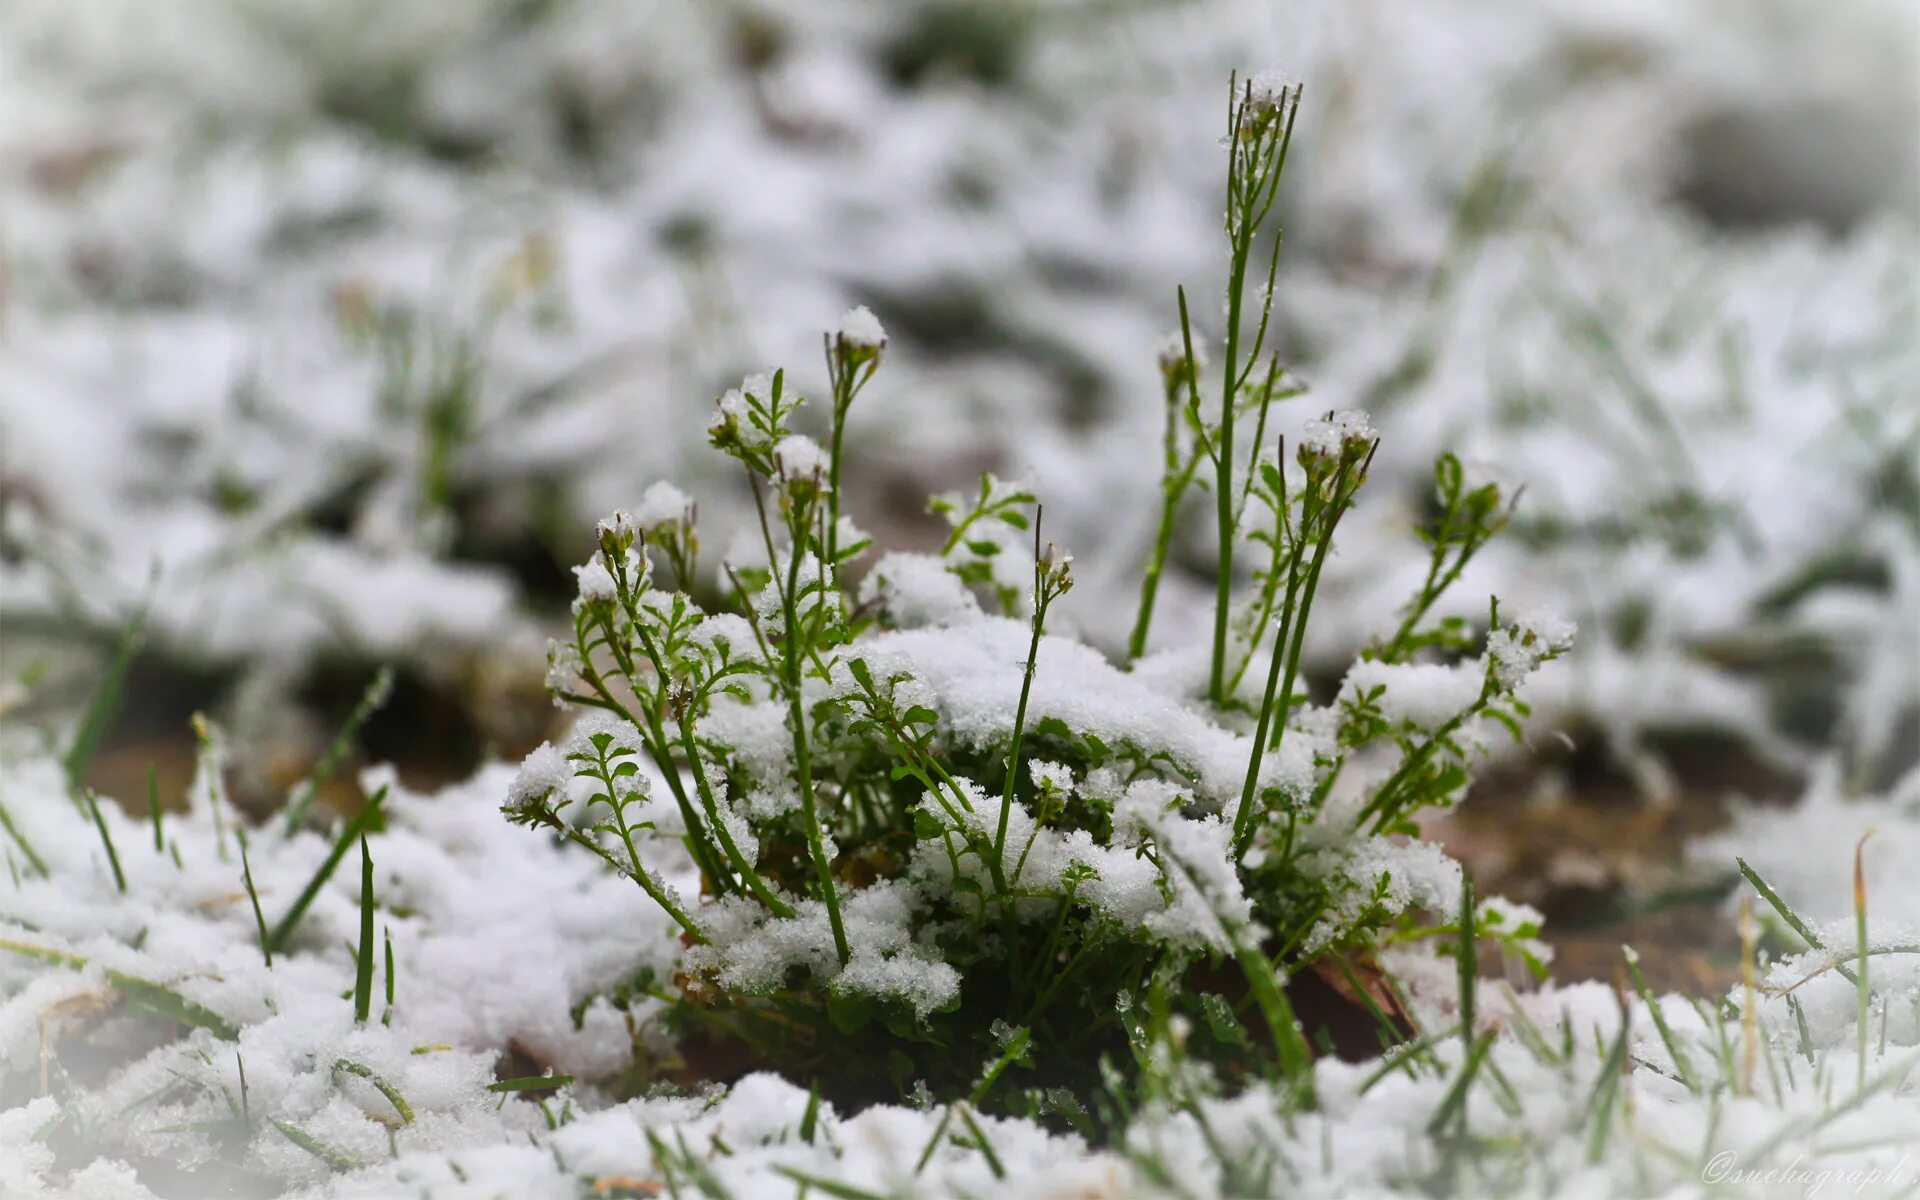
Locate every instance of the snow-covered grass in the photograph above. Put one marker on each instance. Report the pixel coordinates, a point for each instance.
(978, 868)
(330, 308)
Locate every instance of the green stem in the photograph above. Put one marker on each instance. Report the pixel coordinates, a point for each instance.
(803, 758)
(752, 877)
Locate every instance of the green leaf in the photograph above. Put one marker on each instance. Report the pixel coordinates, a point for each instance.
(1221, 1022)
(850, 1012)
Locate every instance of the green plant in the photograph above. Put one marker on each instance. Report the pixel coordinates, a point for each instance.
(951, 838)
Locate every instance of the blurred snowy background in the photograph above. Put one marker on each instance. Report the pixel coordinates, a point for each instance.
(328, 327)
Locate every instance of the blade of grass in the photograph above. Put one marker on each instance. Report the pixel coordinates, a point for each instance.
(20, 839)
(253, 895)
(1015, 1047)
(370, 702)
(933, 1143)
(1681, 1063)
(399, 1102)
(105, 700)
(1606, 1091)
(154, 811)
(1402, 1058)
(530, 1083)
(1453, 1106)
(1469, 964)
(810, 1120)
(1787, 914)
(356, 828)
(986, 1147)
(363, 967)
(159, 1000)
(106, 839)
(330, 1155)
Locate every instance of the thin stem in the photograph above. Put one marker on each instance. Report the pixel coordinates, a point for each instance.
(1026, 690)
(802, 751)
(754, 883)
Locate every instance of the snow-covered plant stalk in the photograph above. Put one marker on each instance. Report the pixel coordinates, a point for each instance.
(1259, 132)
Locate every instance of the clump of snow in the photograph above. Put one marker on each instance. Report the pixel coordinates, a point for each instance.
(1426, 695)
(861, 330)
(1336, 433)
(800, 457)
(595, 582)
(918, 591)
(661, 504)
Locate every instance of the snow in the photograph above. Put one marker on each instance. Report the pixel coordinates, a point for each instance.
(1425, 695)
(861, 330)
(661, 504)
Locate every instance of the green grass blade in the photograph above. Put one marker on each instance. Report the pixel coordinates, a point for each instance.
(1606, 1091)
(156, 999)
(253, 895)
(1680, 1061)
(106, 839)
(105, 700)
(363, 967)
(20, 839)
(531, 1083)
(356, 828)
(1786, 912)
(154, 812)
(333, 1156)
(1453, 1106)
(370, 702)
(399, 1102)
